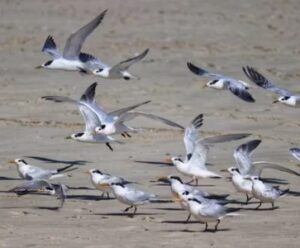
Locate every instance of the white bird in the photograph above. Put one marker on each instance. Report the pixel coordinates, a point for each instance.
(264, 192)
(177, 187)
(296, 153)
(99, 178)
(102, 123)
(130, 196)
(221, 82)
(286, 97)
(120, 70)
(71, 59)
(194, 164)
(33, 186)
(31, 172)
(245, 167)
(206, 211)
(93, 115)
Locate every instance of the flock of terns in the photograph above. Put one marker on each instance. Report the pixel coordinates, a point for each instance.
(102, 126)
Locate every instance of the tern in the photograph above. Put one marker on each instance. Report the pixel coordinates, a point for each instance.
(33, 186)
(296, 153)
(194, 164)
(31, 172)
(99, 178)
(120, 70)
(130, 196)
(264, 192)
(221, 82)
(286, 97)
(71, 59)
(206, 211)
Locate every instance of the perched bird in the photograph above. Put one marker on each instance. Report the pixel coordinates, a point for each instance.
(120, 70)
(194, 164)
(206, 211)
(71, 59)
(99, 178)
(31, 172)
(177, 187)
(286, 97)
(130, 196)
(264, 192)
(33, 186)
(221, 82)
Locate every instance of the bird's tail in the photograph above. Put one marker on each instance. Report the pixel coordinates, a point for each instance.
(284, 192)
(59, 170)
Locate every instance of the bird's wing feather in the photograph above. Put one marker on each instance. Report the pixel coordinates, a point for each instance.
(50, 48)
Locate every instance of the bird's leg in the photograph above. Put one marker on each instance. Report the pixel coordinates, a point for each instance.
(126, 209)
(188, 218)
(135, 209)
(216, 226)
(273, 205)
(128, 135)
(206, 226)
(109, 146)
(258, 205)
(248, 198)
(123, 134)
(107, 195)
(196, 180)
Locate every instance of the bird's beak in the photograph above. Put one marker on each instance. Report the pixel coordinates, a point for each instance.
(11, 162)
(204, 86)
(275, 101)
(38, 67)
(163, 179)
(177, 199)
(224, 170)
(68, 137)
(86, 172)
(168, 159)
(105, 184)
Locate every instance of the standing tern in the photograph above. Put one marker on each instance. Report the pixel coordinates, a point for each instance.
(194, 164)
(264, 192)
(99, 178)
(120, 70)
(206, 211)
(33, 186)
(71, 59)
(31, 172)
(236, 87)
(286, 97)
(130, 196)
(177, 187)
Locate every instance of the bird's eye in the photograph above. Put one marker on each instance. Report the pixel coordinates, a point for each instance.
(99, 70)
(213, 82)
(103, 126)
(48, 62)
(78, 135)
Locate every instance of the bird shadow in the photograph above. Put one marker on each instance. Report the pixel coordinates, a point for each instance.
(10, 178)
(179, 222)
(55, 161)
(89, 197)
(47, 208)
(170, 209)
(80, 188)
(130, 215)
(260, 209)
(154, 163)
(161, 201)
(196, 231)
(294, 193)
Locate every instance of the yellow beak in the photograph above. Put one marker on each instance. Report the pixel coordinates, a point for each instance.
(68, 137)
(86, 172)
(105, 184)
(38, 67)
(177, 199)
(168, 160)
(11, 162)
(163, 178)
(204, 86)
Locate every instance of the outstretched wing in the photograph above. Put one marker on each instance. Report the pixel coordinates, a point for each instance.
(263, 82)
(242, 156)
(204, 73)
(124, 65)
(199, 155)
(74, 42)
(240, 91)
(50, 48)
(131, 115)
(224, 138)
(31, 186)
(258, 167)
(191, 135)
(126, 109)
(295, 152)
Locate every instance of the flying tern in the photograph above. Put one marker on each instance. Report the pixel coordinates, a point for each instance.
(221, 82)
(71, 59)
(286, 97)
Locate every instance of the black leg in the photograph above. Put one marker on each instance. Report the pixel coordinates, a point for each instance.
(206, 226)
(123, 134)
(196, 180)
(188, 218)
(128, 135)
(258, 205)
(109, 146)
(216, 226)
(135, 208)
(107, 195)
(248, 198)
(273, 205)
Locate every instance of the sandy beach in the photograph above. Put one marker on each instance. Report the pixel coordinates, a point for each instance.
(218, 35)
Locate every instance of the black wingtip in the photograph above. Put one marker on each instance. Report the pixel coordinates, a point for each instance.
(49, 43)
(109, 146)
(196, 70)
